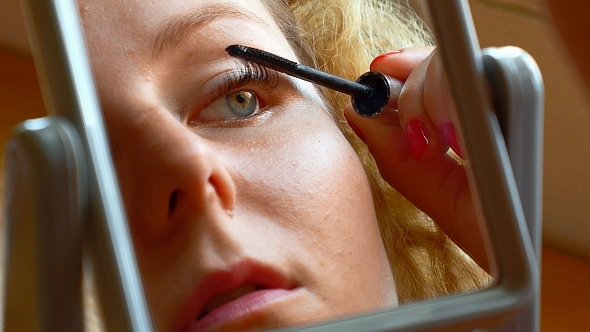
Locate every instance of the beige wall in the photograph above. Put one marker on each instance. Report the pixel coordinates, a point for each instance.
(566, 196)
(567, 122)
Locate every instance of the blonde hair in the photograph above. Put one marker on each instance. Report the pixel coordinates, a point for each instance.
(342, 37)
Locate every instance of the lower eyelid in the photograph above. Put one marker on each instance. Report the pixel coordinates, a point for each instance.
(256, 119)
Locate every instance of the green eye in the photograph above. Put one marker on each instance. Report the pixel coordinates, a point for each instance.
(236, 105)
(242, 103)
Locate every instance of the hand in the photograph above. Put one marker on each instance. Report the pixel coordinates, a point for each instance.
(410, 146)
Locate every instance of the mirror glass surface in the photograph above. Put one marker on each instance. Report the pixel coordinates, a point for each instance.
(257, 200)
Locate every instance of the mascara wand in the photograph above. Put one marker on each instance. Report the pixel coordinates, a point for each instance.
(371, 93)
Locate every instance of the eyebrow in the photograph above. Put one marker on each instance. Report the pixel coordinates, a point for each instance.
(176, 29)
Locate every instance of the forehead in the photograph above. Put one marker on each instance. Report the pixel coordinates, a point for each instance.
(129, 40)
(133, 23)
(150, 12)
(178, 28)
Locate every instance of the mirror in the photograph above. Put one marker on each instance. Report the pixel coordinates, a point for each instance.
(241, 191)
(250, 203)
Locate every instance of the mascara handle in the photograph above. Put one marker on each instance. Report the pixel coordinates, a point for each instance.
(386, 91)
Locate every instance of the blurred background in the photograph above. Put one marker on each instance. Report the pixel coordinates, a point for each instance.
(566, 199)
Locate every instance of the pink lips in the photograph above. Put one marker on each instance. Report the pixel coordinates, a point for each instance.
(225, 296)
(239, 307)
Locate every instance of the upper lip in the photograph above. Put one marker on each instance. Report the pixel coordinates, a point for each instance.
(221, 281)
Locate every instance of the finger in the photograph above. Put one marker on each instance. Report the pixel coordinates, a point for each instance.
(438, 102)
(400, 64)
(424, 139)
(384, 137)
(429, 185)
(436, 95)
(410, 65)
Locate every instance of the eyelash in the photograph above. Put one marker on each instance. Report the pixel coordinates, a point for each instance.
(246, 73)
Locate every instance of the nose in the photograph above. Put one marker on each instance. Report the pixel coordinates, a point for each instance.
(169, 177)
(198, 180)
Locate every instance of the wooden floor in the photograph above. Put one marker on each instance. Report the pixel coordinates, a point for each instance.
(565, 298)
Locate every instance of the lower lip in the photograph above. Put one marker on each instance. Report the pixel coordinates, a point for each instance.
(241, 308)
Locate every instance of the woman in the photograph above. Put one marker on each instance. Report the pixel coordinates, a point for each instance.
(248, 206)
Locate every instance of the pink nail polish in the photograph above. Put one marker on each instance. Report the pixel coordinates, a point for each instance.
(418, 138)
(448, 132)
(384, 55)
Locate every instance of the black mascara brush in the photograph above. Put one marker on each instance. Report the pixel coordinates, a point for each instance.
(371, 93)
(295, 69)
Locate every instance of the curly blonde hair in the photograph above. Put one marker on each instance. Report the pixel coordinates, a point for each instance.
(342, 37)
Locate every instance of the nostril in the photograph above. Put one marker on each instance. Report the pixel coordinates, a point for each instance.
(173, 200)
(224, 188)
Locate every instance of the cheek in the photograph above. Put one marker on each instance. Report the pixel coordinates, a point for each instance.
(309, 185)
(307, 167)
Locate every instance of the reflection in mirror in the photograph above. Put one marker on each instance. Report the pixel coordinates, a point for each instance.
(256, 200)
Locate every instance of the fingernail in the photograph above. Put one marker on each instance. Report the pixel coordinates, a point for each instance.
(355, 129)
(385, 55)
(418, 138)
(448, 132)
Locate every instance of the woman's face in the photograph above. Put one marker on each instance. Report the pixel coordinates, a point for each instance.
(247, 206)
